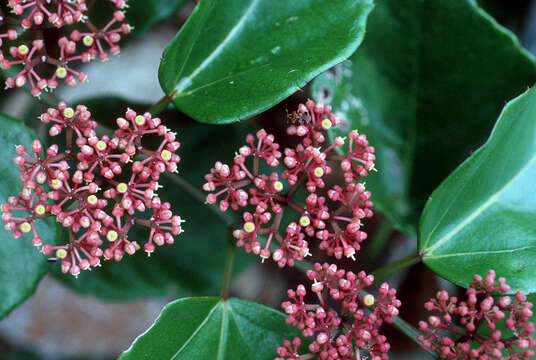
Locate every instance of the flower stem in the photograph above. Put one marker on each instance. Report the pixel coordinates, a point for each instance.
(303, 265)
(228, 267)
(390, 269)
(411, 332)
(198, 195)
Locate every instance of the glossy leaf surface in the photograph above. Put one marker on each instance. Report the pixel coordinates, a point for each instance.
(483, 215)
(213, 328)
(236, 58)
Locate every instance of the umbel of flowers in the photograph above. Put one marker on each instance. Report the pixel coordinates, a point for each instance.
(456, 331)
(98, 188)
(344, 320)
(43, 67)
(330, 216)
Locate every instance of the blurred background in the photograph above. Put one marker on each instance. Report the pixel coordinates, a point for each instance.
(59, 323)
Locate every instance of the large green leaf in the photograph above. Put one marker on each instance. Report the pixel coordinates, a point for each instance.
(483, 216)
(21, 264)
(194, 264)
(236, 58)
(426, 87)
(213, 328)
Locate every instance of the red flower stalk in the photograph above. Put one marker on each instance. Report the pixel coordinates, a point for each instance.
(344, 319)
(83, 46)
(335, 220)
(466, 319)
(98, 188)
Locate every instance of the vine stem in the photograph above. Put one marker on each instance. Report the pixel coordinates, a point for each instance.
(411, 332)
(198, 195)
(228, 267)
(379, 240)
(390, 269)
(227, 219)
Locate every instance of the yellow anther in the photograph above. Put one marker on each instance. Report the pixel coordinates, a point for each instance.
(249, 227)
(61, 72)
(68, 113)
(55, 184)
(23, 49)
(39, 209)
(61, 253)
(140, 120)
(368, 300)
(319, 172)
(101, 145)
(278, 186)
(122, 188)
(88, 40)
(165, 155)
(305, 221)
(326, 124)
(25, 227)
(92, 199)
(111, 236)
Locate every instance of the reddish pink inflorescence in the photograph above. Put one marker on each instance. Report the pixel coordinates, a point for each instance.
(98, 187)
(344, 319)
(457, 332)
(331, 215)
(84, 44)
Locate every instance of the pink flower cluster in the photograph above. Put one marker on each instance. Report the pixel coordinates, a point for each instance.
(331, 215)
(84, 44)
(98, 187)
(482, 310)
(344, 319)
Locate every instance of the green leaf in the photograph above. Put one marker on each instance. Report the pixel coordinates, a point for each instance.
(213, 328)
(194, 264)
(144, 14)
(235, 58)
(483, 215)
(21, 264)
(426, 87)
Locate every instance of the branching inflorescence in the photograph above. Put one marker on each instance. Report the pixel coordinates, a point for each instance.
(41, 65)
(331, 215)
(98, 187)
(458, 332)
(345, 319)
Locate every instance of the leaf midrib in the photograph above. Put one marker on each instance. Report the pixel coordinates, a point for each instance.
(481, 252)
(474, 214)
(234, 30)
(194, 333)
(250, 351)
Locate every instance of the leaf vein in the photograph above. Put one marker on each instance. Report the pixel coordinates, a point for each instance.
(198, 329)
(492, 199)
